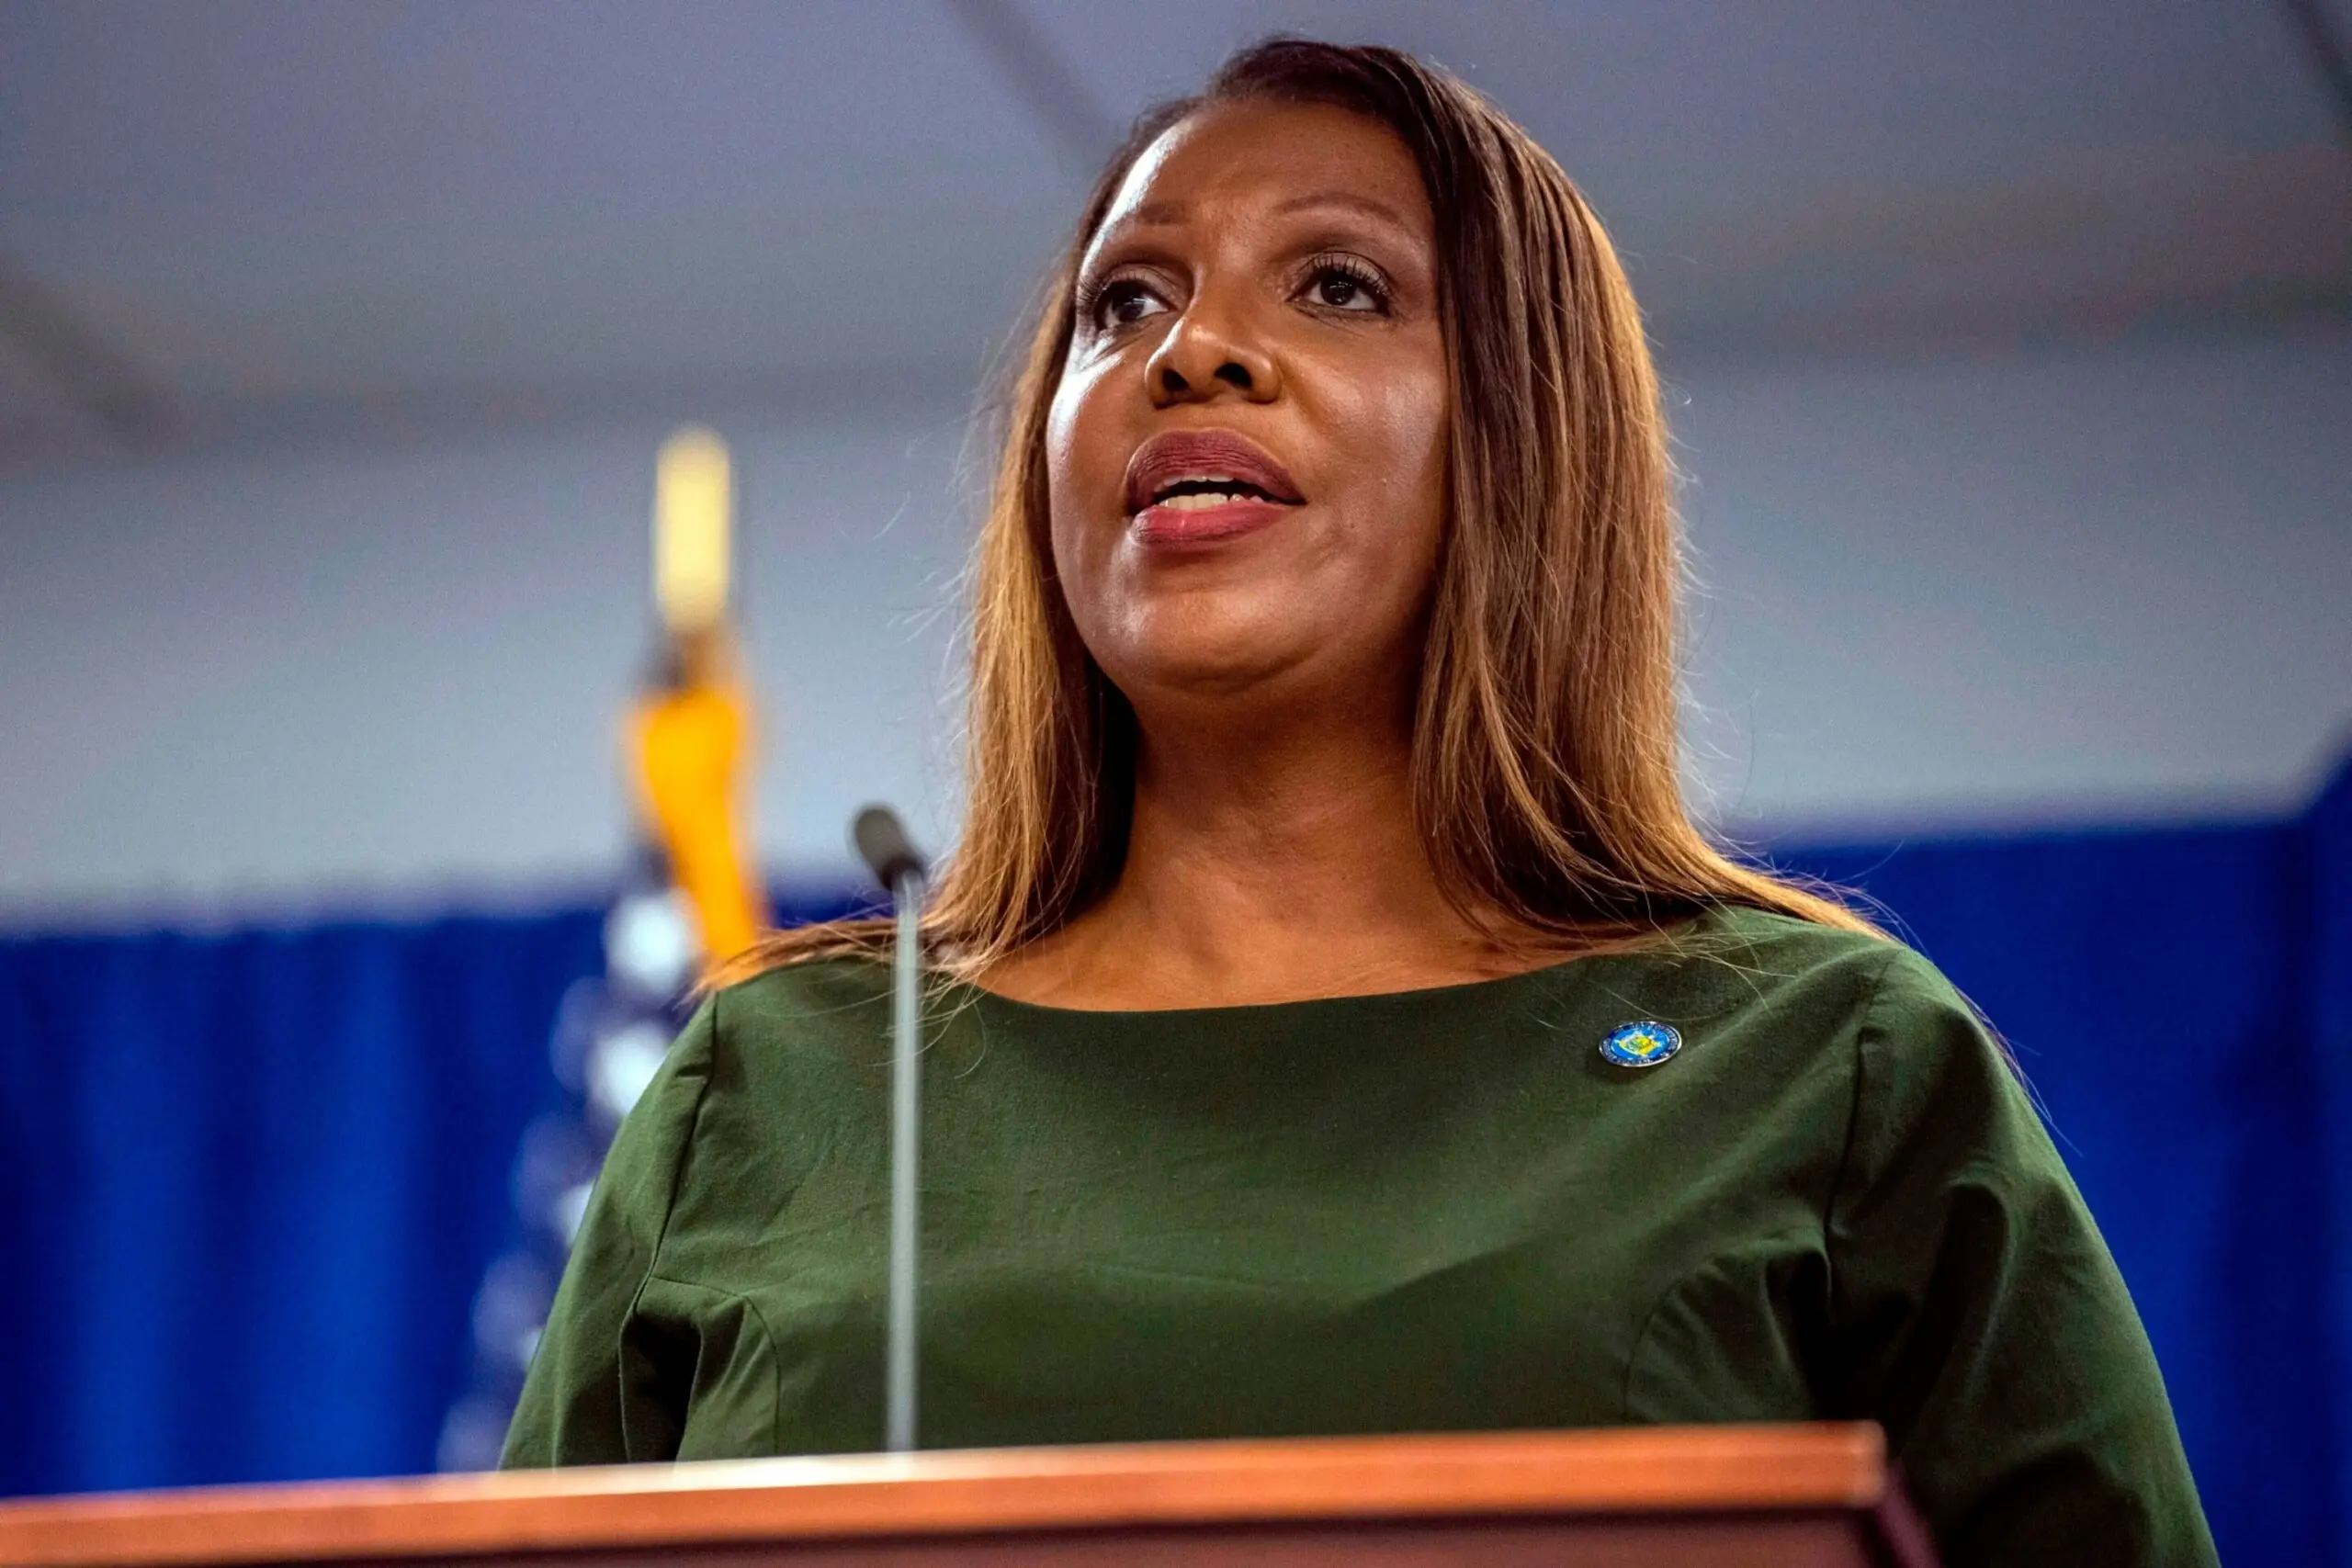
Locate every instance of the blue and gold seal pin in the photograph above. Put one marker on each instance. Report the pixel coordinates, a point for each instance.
(1642, 1044)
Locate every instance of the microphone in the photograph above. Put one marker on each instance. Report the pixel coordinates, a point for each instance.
(882, 843)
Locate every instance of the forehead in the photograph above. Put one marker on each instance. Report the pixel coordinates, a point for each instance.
(1230, 157)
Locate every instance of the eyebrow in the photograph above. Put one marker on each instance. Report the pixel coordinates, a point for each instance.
(1369, 205)
(1157, 212)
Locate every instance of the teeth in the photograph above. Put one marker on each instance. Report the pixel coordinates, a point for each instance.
(1201, 501)
(1177, 481)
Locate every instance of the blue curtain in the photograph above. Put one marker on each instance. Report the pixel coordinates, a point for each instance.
(249, 1182)
(247, 1187)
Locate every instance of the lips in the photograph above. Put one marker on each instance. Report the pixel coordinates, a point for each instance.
(1204, 463)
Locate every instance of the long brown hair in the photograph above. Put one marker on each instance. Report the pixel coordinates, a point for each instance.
(1544, 769)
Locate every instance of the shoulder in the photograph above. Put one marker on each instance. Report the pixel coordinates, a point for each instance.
(1930, 1078)
(758, 1081)
(798, 1039)
(1773, 972)
(1781, 998)
(820, 996)
(1865, 1031)
(1764, 959)
(743, 1036)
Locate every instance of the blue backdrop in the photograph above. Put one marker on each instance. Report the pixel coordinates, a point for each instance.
(249, 1182)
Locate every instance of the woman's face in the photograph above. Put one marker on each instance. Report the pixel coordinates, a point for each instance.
(1246, 451)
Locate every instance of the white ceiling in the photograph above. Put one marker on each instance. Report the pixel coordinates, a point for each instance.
(283, 214)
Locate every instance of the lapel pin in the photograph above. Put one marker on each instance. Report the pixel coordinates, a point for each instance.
(1642, 1044)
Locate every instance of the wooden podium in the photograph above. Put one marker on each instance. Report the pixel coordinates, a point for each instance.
(1759, 1496)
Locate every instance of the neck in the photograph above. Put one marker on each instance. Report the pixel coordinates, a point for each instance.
(1274, 862)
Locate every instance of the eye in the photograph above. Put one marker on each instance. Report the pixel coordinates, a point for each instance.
(1119, 302)
(1343, 283)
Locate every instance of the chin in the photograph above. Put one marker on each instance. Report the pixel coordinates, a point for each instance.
(1203, 659)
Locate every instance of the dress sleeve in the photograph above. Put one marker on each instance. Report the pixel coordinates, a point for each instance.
(571, 1409)
(1978, 1315)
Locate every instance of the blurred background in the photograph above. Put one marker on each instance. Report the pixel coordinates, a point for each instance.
(2010, 349)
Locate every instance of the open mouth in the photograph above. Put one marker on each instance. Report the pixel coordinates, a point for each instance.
(1202, 491)
(1178, 478)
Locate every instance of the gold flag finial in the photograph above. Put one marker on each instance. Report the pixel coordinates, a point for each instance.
(690, 733)
(693, 510)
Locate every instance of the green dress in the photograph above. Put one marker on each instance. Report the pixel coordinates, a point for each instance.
(1430, 1211)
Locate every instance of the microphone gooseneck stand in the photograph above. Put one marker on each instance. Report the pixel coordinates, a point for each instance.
(883, 844)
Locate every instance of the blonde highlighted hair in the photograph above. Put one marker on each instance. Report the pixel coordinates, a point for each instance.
(1545, 778)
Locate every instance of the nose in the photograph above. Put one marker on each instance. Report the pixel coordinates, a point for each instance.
(1210, 353)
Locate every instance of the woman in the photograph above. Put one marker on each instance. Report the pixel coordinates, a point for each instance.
(1340, 1025)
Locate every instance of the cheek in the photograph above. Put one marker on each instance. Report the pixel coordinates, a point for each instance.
(1078, 484)
(1396, 437)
